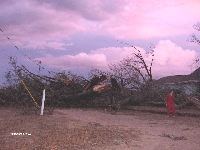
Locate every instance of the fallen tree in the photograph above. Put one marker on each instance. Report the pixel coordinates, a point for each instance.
(195, 101)
(62, 89)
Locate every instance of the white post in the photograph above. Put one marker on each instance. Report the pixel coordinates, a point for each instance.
(43, 99)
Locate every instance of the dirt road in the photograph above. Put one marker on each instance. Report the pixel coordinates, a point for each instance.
(74, 129)
(149, 129)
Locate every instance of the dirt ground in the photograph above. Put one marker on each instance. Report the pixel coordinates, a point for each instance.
(89, 129)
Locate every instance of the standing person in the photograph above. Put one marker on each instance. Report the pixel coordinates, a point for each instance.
(170, 104)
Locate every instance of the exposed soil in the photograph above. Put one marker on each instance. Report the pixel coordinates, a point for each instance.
(89, 129)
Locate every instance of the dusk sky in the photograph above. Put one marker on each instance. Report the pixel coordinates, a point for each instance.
(80, 35)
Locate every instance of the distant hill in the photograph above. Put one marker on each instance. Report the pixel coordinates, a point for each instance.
(180, 78)
(196, 73)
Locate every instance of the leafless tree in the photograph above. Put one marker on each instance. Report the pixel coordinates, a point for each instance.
(134, 70)
(196, 39)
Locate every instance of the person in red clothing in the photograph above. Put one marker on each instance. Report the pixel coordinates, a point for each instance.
(170, 104)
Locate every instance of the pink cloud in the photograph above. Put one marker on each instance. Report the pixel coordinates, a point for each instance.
(153, 19)
(45, 45)
(126, 19)
(169, 59)
(95, 10)
(25, 21)
(114, 54)
(69, 62)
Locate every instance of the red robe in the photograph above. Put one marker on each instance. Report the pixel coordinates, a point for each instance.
(170, 104)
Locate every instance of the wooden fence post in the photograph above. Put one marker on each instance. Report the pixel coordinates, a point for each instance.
(43, 99)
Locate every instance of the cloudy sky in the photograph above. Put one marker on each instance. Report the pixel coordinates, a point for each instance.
(80, 35)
